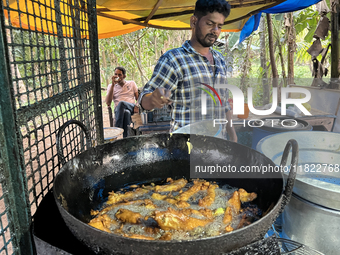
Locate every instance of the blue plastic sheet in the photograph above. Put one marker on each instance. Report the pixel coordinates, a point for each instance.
(288, 6)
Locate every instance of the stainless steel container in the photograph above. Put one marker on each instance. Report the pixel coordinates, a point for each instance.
(313, 215)
(312, 225)
(204, 127)
(270, 126)
(144, 117)
(112, 134)
(318, 173)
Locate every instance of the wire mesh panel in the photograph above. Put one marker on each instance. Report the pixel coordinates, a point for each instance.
(14, 208)
(39, 142)
(6, 242)
(52, 62)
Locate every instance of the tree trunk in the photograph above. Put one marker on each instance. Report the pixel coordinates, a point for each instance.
(228, 56)
(245, 68)
(272, 56)
(133, 75)
(279, 45)
(291, 48)
(140, 57)
(104, 72)
(155, 47)
(167, 43)
(282, 64)
(263, 58)
(132, 51)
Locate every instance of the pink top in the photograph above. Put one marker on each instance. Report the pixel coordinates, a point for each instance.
(125, 93)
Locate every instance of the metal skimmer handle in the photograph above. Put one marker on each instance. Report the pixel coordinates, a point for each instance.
(59, 144)
(293, 168)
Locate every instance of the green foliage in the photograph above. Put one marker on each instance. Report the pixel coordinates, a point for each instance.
(306, 19)
(147, 45)
(137, 52)
(37, 62)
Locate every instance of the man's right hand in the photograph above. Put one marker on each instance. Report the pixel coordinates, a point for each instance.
(157, 99)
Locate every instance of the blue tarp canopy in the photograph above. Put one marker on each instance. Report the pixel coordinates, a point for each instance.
(288, 6)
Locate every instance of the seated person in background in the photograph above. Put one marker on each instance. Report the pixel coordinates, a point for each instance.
(124, 94)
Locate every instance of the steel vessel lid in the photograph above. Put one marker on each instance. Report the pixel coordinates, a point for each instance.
(280, 124)
(204, 127)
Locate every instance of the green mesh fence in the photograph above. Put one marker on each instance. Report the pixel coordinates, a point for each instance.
(50, 57)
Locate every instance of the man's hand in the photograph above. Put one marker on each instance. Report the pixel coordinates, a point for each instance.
(157, 99)
(136, 109)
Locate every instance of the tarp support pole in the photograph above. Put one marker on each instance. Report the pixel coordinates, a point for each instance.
(335, 41)
(93, 36)
(155, 8)
(12, 168)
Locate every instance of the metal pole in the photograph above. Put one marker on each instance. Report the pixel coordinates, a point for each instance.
(61, 45)
(93, 37)
(11, 162)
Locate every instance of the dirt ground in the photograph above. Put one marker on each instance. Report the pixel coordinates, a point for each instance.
(106, 121)
(136, 119)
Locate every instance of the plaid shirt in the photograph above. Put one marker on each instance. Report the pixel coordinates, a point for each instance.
(182, 71)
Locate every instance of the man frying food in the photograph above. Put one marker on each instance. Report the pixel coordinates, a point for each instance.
(181, 75)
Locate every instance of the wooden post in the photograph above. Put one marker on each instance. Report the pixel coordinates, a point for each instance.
(272, 57)
(263, 59)
(291, 49)
(335, 40)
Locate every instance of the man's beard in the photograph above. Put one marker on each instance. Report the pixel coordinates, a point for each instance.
(205, 42)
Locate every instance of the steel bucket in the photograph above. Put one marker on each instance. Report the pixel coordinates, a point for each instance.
(313, 215)
(144, 117)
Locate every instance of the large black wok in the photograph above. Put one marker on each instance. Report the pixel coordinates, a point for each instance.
(84, 182)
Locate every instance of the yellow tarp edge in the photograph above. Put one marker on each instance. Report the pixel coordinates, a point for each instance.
(39, 17)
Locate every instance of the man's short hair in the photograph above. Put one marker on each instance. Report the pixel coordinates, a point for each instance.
(121, 69)
(204, 6)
